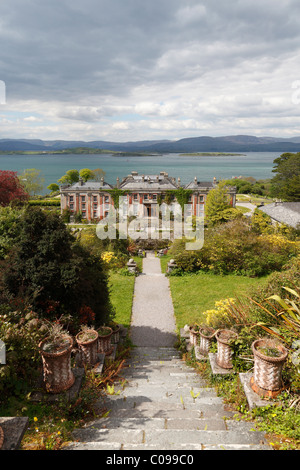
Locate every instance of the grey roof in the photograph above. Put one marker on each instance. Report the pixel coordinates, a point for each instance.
(287, 213)
(88, 186)
(199, 184)
(148, 182)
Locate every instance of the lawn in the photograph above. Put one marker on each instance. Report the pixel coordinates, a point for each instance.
(193, 294)
(121, 295)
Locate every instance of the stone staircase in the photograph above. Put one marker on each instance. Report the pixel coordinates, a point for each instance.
(165, 405)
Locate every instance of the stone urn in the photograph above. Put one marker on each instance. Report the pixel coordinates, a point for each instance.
(87, 342)
(225, 351)
(269, 359)
(132, 266)
(104, 340)
(115, 337)
(56, 357)
(171, 266)
(194, 335)
(206, 335)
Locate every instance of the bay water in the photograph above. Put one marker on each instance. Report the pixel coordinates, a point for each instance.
(259, 165)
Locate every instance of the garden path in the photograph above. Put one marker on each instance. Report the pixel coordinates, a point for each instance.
(153, 321)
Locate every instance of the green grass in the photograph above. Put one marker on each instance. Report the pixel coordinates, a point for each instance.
(121, 295)
(193, 294)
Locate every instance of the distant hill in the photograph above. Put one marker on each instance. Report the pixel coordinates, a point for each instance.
(234, 143)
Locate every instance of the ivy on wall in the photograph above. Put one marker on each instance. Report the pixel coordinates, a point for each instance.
(182, 196)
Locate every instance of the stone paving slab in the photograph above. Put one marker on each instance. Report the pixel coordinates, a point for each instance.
(14, 429)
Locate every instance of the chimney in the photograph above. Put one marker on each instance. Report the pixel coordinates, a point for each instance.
(118, 182)
(215, 180)
(80, 181)
(195, 180)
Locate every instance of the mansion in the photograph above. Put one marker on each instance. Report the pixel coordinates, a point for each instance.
(143, 195)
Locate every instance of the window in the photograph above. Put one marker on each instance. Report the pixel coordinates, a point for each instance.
(135, 197)
(95, 215)
(145, 197)
(95, 198)
(83, 206)
(201, 198)
(154, 197)
(71, 198)
(71, 207)
(82, 198)
(83, 213)
(135, 209)
(106, 199)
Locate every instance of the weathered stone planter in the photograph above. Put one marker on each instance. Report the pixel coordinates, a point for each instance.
(115, 337)
(1, 437)
(225, 352)
(267, 376)
(171, 266)
(132, 266)
(88, 349)
(104, 340)
(206, 335)
(194, 336)
(57, 372)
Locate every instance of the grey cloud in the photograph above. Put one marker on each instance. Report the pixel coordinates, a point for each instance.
(95, 56)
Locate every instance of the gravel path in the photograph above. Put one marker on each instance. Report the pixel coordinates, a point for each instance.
(153, 322)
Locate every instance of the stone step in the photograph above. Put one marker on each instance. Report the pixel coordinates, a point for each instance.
(171, 394)
(123, 401)
(158, 364)
(168, 411)
(144, 423)
(165, 437)
(152, 448)
(164, 389)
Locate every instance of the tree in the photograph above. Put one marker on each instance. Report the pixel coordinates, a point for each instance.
(98, 173)
(286, 182)
(48, 268)
(9, 229)
(71, 177)
(217, 203)
(32, 180)
(11, 188)
(53, 187)
(86, 174)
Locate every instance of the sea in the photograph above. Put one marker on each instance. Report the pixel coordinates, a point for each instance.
(258, 165)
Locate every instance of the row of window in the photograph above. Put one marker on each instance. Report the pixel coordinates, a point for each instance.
(135, 198)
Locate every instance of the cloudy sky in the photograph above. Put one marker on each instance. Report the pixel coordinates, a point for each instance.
(126, 70)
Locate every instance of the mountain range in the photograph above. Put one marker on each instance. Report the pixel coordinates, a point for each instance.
(233, 143)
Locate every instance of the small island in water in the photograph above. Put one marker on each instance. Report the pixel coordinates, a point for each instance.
(212, 154)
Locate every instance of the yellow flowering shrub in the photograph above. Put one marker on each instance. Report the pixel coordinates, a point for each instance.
(279, 241)
(220, 316)
(108, 257)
